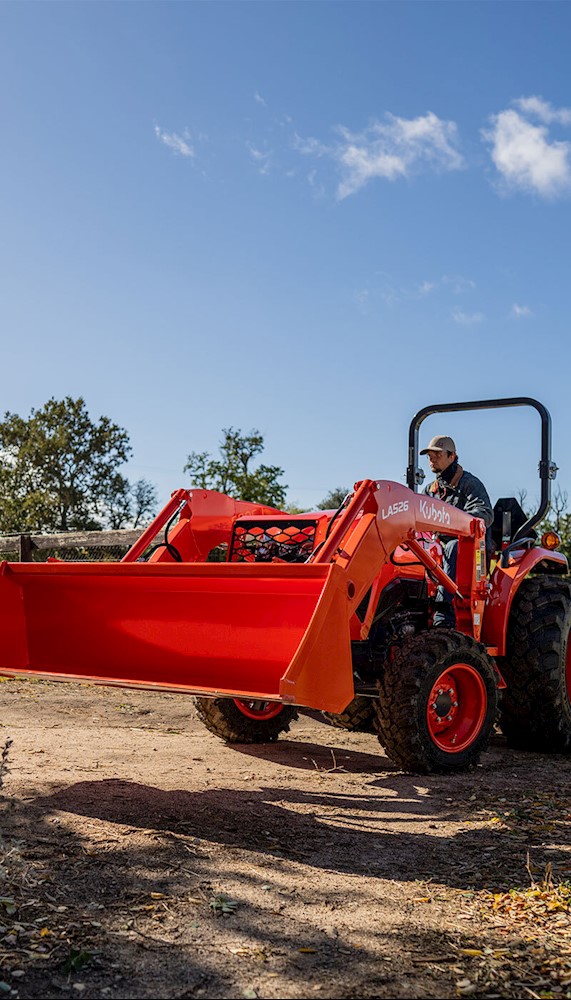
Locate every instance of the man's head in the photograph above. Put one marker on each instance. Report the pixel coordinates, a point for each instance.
(441, 452)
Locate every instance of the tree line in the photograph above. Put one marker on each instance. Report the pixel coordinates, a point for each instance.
(61, 470)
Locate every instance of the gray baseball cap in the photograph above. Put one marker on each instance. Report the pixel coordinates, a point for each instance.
(440, 443)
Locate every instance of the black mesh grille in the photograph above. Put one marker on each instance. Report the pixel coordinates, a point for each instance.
(256, 541)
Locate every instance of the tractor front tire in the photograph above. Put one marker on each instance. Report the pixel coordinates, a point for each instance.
(437, 702)
(536, 705)
(243, 721)
(358, 717)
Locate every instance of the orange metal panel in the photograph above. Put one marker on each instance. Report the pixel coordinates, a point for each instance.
(321, 672)
(14, 646)
(216, 628)
(504, 584)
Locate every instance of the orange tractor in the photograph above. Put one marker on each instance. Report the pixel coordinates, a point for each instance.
(256, 612)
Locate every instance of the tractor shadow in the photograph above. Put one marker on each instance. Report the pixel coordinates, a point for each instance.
(109, 848)
(132, 954)
(468, 831)
(316, 757)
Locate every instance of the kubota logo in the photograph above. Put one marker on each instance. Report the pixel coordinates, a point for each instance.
(394, 508)
(432, 513)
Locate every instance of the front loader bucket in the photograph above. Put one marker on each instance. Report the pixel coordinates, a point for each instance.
(264, 630)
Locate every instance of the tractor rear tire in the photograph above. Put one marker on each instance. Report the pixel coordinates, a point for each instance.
(437, 702)
(358, 717)
(242, 721)
(536, 705)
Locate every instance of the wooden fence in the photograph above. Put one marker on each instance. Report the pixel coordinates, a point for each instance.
(73, 545)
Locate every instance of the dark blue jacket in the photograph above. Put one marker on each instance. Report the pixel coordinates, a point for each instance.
(469, 495)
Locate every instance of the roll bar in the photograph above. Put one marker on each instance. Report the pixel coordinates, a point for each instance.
(547, 468)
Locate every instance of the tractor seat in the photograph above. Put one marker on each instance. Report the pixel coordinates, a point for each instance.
(508, 518)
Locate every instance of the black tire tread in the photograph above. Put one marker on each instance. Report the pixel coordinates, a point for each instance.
(223, 718)
(403, 689)
(359, 716)
(536, 710)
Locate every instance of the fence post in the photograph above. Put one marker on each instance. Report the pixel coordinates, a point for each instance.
(25, 548)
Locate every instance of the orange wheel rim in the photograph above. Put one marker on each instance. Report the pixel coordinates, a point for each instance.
(457, 707)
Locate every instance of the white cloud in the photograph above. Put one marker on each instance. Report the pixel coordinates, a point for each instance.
(536, 107)
(384, 289)
(176, 142)
(312, 147)
(389, 149)
(362, 298)
(259, 99)
(467, 319)
(520, 312)
(261, 157)
(316, 185)
(456, 282)
(523, 153)
(390, 291)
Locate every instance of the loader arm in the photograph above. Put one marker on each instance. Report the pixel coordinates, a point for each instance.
(398, 517)
(380, 517)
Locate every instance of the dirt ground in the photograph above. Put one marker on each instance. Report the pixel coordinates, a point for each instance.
(143, 857)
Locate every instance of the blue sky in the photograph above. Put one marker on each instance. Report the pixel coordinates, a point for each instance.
(308, 218)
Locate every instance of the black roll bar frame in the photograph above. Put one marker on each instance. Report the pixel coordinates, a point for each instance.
(547, 468)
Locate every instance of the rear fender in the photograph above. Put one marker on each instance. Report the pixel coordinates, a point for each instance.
(504, 584)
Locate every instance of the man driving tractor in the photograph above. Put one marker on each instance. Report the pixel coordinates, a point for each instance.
(462, 490)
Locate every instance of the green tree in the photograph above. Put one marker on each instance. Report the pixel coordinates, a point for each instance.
(334, 499)
(232, 471)
(124, 504)
(59, 471)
